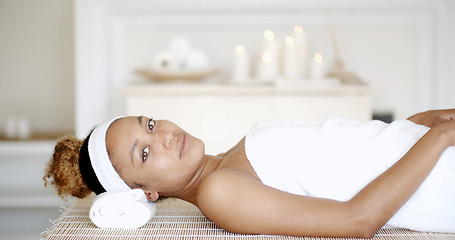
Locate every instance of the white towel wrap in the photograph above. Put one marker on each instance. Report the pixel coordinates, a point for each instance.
(335, 158)
(105, 172)
(125, 209)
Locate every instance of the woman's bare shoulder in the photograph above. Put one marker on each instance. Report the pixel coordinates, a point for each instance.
(217, 196)
(221, 182)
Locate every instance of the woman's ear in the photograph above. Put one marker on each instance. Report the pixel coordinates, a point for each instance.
(151, 195)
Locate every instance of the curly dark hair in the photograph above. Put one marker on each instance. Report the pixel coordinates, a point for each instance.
(63, 170)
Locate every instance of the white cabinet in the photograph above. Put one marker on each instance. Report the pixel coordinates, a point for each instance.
(221, 115)
(22, 165)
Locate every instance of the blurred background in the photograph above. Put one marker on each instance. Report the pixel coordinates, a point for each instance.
(210, 66)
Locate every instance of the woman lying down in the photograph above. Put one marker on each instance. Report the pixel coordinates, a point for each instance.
(333, 177)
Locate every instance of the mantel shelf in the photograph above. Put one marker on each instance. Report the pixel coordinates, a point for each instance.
(242, 89)
(35, 136)
(27, 147)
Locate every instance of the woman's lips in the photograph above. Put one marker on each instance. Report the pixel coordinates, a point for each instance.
(185, 145)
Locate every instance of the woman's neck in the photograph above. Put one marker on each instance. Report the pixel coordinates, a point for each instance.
(189, 193)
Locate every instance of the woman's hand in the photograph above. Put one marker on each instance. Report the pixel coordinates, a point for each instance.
(433, 118)
(446, 129)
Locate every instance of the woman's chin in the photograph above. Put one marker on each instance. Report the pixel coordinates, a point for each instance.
(196, 150)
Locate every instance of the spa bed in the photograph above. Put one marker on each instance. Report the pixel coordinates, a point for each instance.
(176, 219)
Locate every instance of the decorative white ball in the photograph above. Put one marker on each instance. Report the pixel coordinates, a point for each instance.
(180, 47)
(165, 61)
(11, 128)
(23, 128)
(197, 60)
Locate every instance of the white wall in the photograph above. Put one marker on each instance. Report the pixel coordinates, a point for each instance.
(36, 63)
(450, 69)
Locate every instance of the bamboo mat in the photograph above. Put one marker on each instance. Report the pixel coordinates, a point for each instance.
(176, 219)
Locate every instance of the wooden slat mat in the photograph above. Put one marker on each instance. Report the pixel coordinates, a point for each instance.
(176, 219)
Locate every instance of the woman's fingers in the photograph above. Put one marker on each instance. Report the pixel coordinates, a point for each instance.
(434, 117)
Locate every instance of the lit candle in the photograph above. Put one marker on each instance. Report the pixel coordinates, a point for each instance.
(241, 64)
(317, 67)
(267, 58)
(269, 35)
(301, 45)
(290, 68)
(271, 45)
(267, 68)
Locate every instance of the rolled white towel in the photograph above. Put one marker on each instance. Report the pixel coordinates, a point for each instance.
(126, 209)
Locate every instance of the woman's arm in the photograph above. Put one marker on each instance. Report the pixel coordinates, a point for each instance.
(234, 200)
(384, 196)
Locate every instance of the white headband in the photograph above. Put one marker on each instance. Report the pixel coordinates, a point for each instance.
(104, 170)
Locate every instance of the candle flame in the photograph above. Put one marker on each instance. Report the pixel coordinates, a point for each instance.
(290, 41)
(318, 57)
(240, 49)
(267, 57)
(298, 30)
(269, 35)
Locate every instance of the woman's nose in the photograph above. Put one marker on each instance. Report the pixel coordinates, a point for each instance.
(165, 139)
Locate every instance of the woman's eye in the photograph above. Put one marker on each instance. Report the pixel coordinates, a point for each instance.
(145, 153)
(150, 124)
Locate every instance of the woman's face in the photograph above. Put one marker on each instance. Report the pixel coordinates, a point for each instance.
(157, 156)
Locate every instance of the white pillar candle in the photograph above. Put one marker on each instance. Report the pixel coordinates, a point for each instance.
(267, 69)
(240, 65)
(290, 64)
(317, 67)
(268, 62)
(301, 44)
(271, 44)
